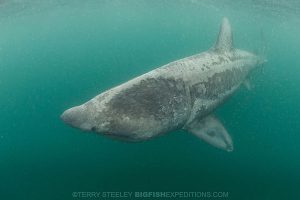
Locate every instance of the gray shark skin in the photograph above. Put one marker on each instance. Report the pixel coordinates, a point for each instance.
(180, 95)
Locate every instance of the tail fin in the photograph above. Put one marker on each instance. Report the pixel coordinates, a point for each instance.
(263, 50)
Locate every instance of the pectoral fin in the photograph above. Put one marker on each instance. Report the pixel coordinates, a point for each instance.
(211, 131)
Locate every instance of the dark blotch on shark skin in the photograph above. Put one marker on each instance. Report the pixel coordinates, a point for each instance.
(221, 59)
(162, 98)
(222, 82)
(218, 84)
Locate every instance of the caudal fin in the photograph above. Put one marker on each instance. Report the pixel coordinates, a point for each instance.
(263, 50)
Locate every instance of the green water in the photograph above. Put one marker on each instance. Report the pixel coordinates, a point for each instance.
(58, 54)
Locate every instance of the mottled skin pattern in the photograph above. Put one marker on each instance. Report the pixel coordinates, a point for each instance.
(170, 97)
(166, 98)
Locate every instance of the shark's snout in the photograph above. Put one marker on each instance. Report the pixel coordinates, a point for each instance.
(77, 118)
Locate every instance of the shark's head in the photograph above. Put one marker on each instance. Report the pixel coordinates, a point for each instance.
(96, 116)
(90, 116)
(79, 117)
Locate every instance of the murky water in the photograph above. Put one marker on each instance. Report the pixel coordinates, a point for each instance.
(57, 54)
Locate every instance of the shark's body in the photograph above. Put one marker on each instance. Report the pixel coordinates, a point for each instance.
(181, 94)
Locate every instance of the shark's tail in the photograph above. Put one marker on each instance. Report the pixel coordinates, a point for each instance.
(263, 50)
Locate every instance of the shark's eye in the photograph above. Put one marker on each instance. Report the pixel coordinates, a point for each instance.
(93, 128)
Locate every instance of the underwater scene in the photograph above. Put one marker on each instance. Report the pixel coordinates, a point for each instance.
(223, 124)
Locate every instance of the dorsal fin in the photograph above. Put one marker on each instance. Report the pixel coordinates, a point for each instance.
(224, 42)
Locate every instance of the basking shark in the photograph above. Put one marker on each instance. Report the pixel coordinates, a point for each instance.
(179, 95)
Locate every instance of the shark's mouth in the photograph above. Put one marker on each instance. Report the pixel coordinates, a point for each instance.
(123, 137)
